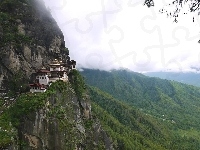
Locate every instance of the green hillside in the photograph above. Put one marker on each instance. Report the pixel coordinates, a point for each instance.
(128, 127)
(169, 105)
(132, 129)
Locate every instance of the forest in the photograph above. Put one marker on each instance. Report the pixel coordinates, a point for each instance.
(161, 114)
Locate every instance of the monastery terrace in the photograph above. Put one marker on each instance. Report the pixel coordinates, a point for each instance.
(57, 71)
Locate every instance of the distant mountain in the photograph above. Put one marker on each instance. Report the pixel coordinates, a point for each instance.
(187, 77)
(174, 107)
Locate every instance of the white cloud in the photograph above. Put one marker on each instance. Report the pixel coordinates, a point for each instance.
(113, 34)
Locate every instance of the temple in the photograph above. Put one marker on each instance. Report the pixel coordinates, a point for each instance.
(37, 87)
(57, 71)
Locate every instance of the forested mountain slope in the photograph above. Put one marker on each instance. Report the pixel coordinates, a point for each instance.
(131, 128)
(168, 101)
(137, 112)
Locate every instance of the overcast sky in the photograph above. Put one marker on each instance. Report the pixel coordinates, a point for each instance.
(112, 34)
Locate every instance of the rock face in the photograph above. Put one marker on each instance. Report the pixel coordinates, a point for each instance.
(43, 129)
(29, 40)
(62, 125)
(33, 40)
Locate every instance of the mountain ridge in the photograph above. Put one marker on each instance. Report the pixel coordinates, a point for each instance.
(129, 110)
(137, 129)
(191, 78)
(168, 101)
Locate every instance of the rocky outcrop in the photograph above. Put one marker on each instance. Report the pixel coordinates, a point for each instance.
(29, 40)
(62, 125)
(33, 40)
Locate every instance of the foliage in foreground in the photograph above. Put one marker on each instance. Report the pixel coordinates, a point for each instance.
(78, 83)
(25, 104)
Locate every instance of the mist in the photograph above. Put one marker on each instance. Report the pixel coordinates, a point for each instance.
(114, 34)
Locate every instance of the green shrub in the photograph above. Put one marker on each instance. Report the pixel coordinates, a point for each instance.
(78, 83)
(24, 105)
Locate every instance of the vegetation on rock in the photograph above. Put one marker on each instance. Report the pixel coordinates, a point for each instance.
(78, 83)
(25, 104)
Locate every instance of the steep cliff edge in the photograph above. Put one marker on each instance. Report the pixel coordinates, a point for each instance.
(58, 119)
(29, 37)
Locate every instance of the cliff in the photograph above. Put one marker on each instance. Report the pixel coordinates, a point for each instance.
(29, 39)
(58, 119)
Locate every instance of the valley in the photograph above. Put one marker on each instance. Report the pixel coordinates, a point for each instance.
(162, 112)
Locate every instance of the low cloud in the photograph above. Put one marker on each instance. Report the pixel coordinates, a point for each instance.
(122, 35)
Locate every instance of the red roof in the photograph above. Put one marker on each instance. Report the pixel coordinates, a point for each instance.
(43, 71)
(36, 85)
